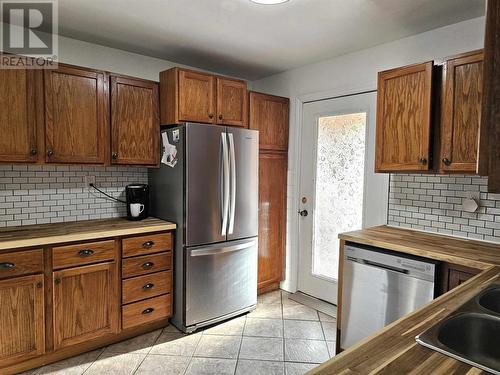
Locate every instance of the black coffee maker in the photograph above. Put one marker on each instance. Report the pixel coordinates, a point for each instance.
(137, 201)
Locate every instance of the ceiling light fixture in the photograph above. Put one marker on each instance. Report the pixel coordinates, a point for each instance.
(269, 2)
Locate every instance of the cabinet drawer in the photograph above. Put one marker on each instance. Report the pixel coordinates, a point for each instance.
(146, 311)
(146, 264)
(80, 254)
(148, 244)
(21, 263)
(142, 287)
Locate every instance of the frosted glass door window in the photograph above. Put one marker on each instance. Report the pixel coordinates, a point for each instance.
(340, 171)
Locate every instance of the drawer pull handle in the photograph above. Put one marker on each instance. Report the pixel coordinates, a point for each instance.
(149, 310)
(148, 244)
(85, 253)
(148, 286)
(148, 265)
(7, 266)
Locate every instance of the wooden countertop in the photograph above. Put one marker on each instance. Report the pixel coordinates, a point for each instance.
(465, 252)
(393, 350)
(47, 234)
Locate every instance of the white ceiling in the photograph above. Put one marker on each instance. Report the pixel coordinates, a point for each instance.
(252, 41)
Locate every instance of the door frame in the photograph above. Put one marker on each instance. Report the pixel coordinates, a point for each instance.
(294, 156)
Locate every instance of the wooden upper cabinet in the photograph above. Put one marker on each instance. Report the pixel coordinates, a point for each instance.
(135, 124)
(86, 303)
(76, 115)
(232, 102)
(186, 95)
(191, 96)
(404, 119)
(19, 141)
(270, 115)
(461, 113)
(272, 217)
(22, 319)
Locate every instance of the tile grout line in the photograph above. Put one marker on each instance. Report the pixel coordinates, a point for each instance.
(149, 351)
(241, 344)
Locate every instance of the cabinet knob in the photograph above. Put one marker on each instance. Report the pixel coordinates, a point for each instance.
(148, 265)
(221, 117)
(7, 266)
(446, 161)
(34, 151)
(148, 286)
(303, 213)
(114, 155)
(423, 161)
(50, 153)
(210, 115)
(57, 280)
(148, 244)
(148, 311)
(39, 285)
(85, 253)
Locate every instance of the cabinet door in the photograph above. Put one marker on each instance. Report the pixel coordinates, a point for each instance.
(272, 217)
(135, 126)
(270, 115)
(461, 113)
(196, 97)
(18, 127)
(22, 319)
(454, 275)
(231, 102)
(86, 303)
(75, 115)
(404, 119)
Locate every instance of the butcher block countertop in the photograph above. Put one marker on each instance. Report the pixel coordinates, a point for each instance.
(47, 234)
(393, 350)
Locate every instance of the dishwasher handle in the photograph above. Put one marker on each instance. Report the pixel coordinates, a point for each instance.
(378, 265)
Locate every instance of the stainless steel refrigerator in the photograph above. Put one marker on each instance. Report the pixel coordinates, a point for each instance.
(210, 190)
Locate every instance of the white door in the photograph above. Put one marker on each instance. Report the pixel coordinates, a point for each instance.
(339, 191)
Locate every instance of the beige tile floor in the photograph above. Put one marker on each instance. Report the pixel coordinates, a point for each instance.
(280, 337)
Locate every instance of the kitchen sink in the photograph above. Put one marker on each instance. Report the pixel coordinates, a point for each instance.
(471, 334)
(490, 300)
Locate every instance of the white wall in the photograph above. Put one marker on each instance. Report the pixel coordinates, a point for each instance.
(353, 73)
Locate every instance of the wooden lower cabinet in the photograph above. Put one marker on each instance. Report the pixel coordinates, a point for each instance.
(272, 218)
(86, 303)
(454, 275)
(21, 319)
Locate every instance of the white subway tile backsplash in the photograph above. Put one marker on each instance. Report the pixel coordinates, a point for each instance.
(40, 194)
(434, 203)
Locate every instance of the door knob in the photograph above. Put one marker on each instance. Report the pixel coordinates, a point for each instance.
(303, 213)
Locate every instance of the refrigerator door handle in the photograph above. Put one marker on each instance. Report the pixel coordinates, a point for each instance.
(232, 163)
(221, 250)
(224, 185)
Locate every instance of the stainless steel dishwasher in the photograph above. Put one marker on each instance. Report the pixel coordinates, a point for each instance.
(380, 287)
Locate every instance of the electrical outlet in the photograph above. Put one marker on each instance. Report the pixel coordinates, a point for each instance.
(89, 180)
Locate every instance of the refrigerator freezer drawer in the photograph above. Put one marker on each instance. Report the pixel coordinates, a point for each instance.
(220, 280)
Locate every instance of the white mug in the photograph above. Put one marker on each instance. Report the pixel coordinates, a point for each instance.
(136, 209)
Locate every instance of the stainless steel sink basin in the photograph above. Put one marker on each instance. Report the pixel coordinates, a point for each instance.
(471, 334)
(490, 300)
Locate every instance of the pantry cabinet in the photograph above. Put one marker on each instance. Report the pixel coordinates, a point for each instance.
(461, 113)
(76, 118)
(86, 303)
(192, 96)
(404, 103)
(272, 218)
(19, 124)
(135, 125)
(269, 115)
(21, 319)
